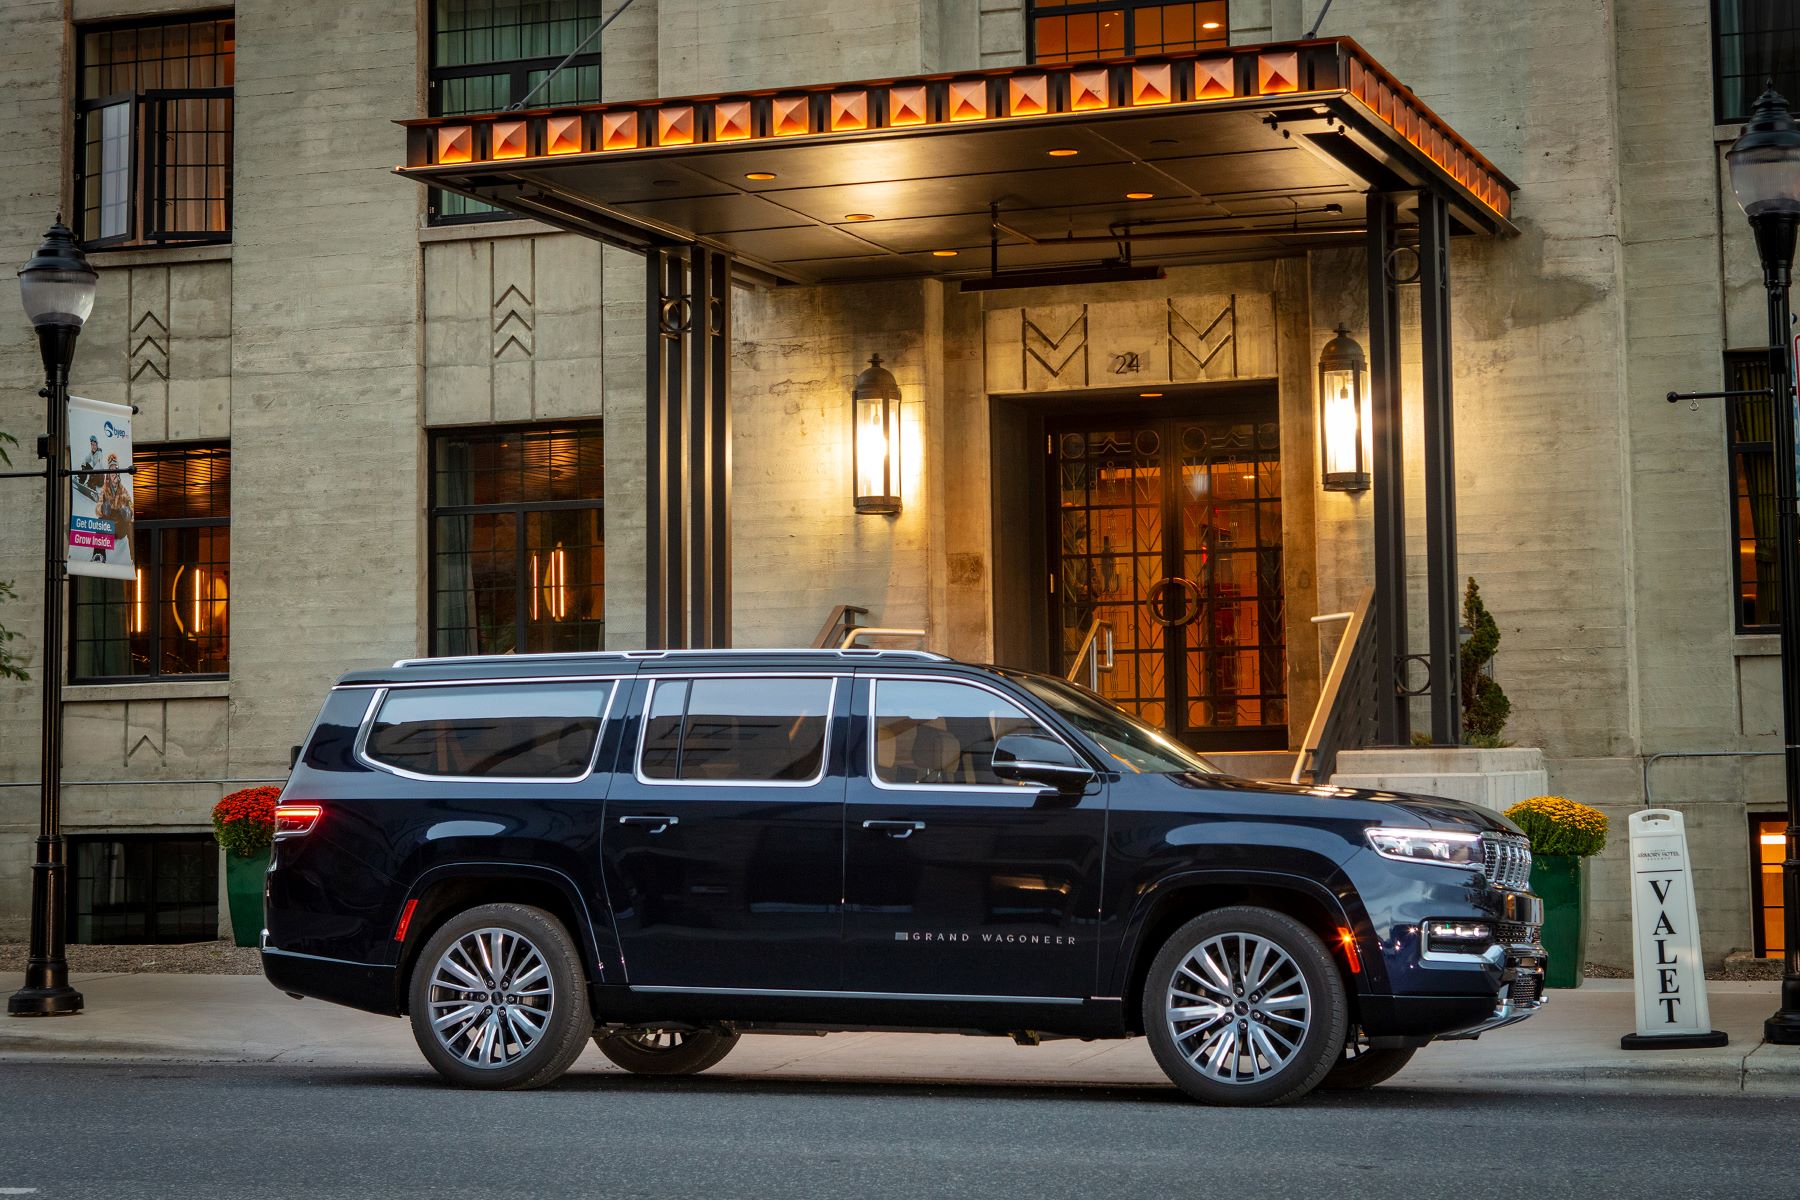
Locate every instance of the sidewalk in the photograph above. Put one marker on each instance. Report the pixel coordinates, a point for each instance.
(1572, 1045)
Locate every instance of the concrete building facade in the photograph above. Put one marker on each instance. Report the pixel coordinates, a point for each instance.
(339, 330)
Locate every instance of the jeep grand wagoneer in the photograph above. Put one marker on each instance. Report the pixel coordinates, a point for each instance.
(661, 851)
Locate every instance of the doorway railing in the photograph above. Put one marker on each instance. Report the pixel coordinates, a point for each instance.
(1095, 656)
(1346, 714)
(838, 626)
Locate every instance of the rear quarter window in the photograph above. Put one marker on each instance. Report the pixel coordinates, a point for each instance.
(490, 731)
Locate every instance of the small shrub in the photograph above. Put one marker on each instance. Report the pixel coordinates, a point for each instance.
(1484, 703)
(244, 821)
(1557, 825)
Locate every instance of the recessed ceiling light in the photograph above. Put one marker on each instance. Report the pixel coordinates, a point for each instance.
(859, 216)
(943, 254)
(759, 175)
(1140, 195)
(1150, 395)
(1209, 24)
(1163, 142)
(1064, 152)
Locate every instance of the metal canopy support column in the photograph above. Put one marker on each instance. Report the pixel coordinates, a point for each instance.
(1392, 721)
(687, 425)
(1441, 573)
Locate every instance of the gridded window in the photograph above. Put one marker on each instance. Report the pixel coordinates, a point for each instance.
(134, 888)
(736, 730)
(927, 732)
(1074, 30)
(1768, 847)
(1753, 515)
(1753, 41)
(518, 560)
(173, 619)
(154, 127)
(533, 731)
(487, 54)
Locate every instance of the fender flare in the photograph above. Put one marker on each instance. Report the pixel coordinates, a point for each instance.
(477, 869)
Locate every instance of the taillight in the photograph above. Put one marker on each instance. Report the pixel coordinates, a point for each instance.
(295, 820)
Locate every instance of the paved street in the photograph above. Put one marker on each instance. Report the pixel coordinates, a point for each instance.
(125, 1130)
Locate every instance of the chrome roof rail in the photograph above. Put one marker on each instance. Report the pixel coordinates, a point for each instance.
(858, 652)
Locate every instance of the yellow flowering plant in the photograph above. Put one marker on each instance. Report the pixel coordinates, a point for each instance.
(1558, 825)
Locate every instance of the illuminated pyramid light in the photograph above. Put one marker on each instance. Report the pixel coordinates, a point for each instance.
(849, 110)
(1028, 96)
(675, 126)
(562, 135)
(456, 143)
(968, 100)
(1278, 73)
(1088, 90)
(1214, 79)
(907, 106)
(618, 131)
(731, 120)
(509, 139)
(789, 115)
(1150, 85)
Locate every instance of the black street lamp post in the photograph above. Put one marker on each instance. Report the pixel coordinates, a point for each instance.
(1765, 176)
(57, 286)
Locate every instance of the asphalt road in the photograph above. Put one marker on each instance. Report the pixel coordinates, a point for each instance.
(98, 1131)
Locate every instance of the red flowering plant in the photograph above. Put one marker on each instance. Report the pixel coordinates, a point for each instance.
(244, 822)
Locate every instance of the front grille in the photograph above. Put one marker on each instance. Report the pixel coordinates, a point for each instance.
(1526, 989)
(1506, 860)
(1514, 933)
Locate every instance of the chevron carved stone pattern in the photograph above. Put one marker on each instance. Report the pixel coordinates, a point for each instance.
(1197, 349)
(148, 346)
(1054, 355)
(515, 320)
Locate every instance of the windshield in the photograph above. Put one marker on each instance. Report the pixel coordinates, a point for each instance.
(1133, 745)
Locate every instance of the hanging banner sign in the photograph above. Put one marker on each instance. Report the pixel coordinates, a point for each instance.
(100, 496)
(1665, 935)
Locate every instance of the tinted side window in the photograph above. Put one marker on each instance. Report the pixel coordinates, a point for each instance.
(739, 730)
(504, 731)
(930, 732)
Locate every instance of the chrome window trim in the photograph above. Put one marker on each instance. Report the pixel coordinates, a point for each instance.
(360, 753)
(996, 789)
(637, 761)
(805, 994)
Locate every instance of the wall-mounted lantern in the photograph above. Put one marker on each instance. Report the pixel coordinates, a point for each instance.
(1344, 414)
(875, 439)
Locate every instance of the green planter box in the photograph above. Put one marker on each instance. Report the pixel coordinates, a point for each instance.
(244, 891)
(1560, 880)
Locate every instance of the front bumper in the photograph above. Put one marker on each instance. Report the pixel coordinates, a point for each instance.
(1521, 992)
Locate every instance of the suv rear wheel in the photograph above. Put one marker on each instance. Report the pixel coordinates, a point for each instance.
(498, 998)
(666, 1051)
(1244, 1006)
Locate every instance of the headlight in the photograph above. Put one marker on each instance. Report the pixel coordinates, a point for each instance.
(1443, 848)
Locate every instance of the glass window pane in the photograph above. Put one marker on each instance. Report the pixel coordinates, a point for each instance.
(928, 732)
(520, 731)
(484, 31)
(115, 171)
(738, 730)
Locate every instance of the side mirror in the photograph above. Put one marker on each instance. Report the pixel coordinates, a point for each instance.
(1037, 758)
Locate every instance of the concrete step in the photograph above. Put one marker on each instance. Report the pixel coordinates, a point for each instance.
(1255, 764)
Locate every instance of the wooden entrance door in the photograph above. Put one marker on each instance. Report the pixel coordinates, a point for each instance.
(1169, 527)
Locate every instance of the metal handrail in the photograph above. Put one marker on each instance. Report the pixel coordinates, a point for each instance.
(839, 624)
(1099, 633)
(1310, 757)
(863, 631)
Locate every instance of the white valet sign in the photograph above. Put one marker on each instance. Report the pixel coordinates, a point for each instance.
(1665, 939)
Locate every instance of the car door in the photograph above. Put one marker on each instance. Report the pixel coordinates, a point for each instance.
(723, 844)
(958, 883)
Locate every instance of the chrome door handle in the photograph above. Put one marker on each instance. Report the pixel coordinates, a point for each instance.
(660, 823)
(898, 830)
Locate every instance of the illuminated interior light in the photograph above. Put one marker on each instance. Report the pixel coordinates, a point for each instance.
(1209, 24)
(534, 591)
(199, 584)
(562, 135)
(1772, 839)
(908, 106)
(456, 143)
(175, 599)
(675, 126)
(1088, 90)
(618, 131)
(508, 139)
(859, 216)
(759, 176)
(555, 584)
(1214, 79)
(1150, 395)
(790, 115)
(1063, 152)
(943, 254)
(1140, 195)
(968, 99)
(731, 121)
(1028, 96)
(849, 111)
(137, 602)
(1151, 84)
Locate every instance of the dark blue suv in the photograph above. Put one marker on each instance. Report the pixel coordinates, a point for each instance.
(661, 851)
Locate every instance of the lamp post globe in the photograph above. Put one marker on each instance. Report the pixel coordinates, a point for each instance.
(57, 287)
(1765, 177)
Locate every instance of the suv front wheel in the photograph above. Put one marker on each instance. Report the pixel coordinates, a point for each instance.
(1244, 1006)
(498, 998)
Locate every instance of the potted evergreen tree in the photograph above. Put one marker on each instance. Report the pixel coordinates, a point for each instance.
(244, 824)
(1564, 835)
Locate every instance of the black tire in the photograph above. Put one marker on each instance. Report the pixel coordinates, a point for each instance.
(1200, 1052)
(1361, 1066)
(552, 999)
(666, 1051)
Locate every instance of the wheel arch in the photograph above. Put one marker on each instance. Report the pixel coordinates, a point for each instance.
(1179, 901)
(451, 888)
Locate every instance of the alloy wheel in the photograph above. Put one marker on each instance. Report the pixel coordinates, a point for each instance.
(491, 996)
(1238, 1008)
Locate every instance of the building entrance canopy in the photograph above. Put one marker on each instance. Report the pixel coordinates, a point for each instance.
(1233, 154)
